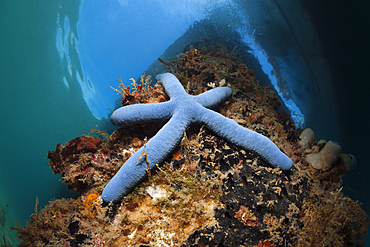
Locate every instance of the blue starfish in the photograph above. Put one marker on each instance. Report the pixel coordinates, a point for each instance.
(182, 109)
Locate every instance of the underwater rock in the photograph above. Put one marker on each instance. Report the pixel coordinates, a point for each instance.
(208, 192)
(325, 158)
(257, 202)
(70, 152)
(86, 150)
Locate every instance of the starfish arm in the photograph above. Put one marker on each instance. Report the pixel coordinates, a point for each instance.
(157, 149)
(171, 84)
(140, 113)
(213, 97)
(245, 138)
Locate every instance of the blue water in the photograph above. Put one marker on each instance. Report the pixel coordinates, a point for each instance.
(121, 39)
(59, 59)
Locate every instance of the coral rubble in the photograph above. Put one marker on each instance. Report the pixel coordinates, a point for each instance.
(209, 192)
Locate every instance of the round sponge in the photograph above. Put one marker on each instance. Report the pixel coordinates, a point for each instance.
(324, 159)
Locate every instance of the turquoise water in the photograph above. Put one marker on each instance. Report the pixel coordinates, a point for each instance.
(59, 59)
(38, 110)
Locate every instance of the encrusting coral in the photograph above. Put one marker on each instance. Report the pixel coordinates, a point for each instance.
(208, 191)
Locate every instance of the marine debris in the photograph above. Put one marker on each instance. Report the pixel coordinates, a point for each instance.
(209, 191)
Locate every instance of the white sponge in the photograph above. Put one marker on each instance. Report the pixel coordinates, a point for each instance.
(349, 161)
(324, 159)
(306, 138)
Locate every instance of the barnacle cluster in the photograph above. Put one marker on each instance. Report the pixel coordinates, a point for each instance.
(208, 192)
